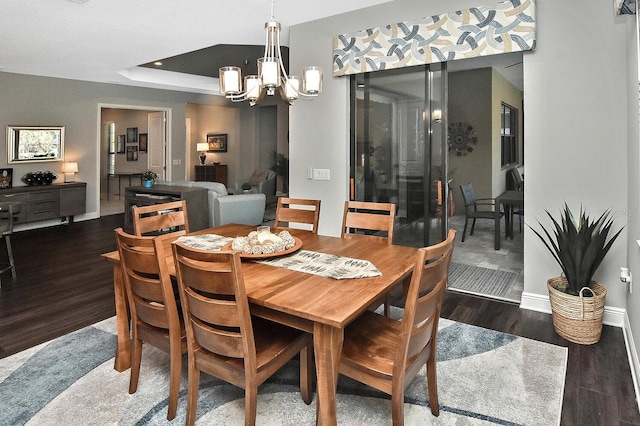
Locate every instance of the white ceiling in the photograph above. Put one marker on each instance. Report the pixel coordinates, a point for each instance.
(105, 40)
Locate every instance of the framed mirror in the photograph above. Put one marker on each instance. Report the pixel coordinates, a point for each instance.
(28, 144)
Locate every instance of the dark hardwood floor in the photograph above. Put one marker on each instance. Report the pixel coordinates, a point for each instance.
(63, 284)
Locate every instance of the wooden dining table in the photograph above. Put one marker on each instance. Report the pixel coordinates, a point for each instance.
(318, 305)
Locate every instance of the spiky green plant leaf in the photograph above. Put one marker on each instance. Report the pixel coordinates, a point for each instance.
(578, 247)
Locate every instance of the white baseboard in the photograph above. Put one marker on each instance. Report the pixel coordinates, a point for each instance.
(616, 317)
(634, 363)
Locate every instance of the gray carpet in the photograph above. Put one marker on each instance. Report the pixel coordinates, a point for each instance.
(484, 377)
(478, 280)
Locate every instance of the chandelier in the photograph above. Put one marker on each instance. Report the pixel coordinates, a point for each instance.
(271, 75)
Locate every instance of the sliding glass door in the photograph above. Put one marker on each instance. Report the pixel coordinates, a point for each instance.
(398, 147)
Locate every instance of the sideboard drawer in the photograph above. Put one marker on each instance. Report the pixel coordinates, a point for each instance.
(44, 209)
(48, 195)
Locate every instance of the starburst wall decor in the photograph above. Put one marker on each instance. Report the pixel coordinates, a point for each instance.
(461, 138)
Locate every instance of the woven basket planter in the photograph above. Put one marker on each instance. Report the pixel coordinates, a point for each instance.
(578, 319)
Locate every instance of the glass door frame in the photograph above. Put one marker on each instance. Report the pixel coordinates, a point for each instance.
(431, 142)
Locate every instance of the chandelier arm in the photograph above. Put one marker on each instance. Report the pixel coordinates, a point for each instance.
(271, 76)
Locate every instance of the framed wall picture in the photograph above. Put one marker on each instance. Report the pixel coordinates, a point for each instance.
(217, 142)
(30, 144)
(142, 142)
(132, 134)
(6, 178)
(120, 144)
(132, 153)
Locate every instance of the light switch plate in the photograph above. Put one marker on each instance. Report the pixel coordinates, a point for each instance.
(321, 174)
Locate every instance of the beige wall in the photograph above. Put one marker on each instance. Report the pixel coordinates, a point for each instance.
(470, 102)
(214, 119)
(503, 91)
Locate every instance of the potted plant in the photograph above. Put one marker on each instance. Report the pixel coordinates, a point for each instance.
(246, 187)
(149, 177)
(577, 302)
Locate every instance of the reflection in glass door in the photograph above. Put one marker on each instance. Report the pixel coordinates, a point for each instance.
(397, 144)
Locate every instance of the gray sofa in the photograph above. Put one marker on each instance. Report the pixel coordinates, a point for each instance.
(246, 209)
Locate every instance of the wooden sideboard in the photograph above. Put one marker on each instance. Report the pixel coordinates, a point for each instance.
(212, 173)
(43, 202)
(196, 198)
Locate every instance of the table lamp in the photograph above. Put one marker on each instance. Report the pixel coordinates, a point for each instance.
(202, 146)
(70, 170)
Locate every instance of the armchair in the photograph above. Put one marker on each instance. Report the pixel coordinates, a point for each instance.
(247, 209)
(264, 182)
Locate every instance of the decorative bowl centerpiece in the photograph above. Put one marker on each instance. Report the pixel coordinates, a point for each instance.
(262, 243)
(39, 178)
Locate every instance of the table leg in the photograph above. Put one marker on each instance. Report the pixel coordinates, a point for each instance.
(327, 343)
(507, 221)
(497, 225)
(123, 351)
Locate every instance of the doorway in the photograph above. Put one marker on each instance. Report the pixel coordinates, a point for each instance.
(398, 142)
(402, 152)
(132, 140)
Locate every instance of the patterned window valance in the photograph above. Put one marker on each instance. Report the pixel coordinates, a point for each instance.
(506, 27)
(625, 7)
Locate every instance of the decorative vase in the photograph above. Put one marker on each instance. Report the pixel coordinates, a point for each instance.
(148, 183)
(577, 318)
(39, 178)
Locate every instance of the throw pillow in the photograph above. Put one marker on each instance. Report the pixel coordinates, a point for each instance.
(258, 177)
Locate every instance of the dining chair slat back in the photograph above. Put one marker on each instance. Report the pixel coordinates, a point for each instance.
(362, 219)
(160, 218)
(223, 339)
(387, 354)
(299, 212)
(155, 317)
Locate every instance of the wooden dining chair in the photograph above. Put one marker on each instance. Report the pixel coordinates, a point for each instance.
(368, 220)
(223, 339)
(161, 218)
(387, 354)
(297, 211)
(155, 316)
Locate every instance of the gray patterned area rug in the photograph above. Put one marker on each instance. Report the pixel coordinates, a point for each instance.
(478, 280)
(484, 378)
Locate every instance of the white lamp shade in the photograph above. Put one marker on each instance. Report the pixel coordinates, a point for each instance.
(202, 146)
(312, 79)
(230, 80)
(69, 170)
(252, 86)
(269, 72)
(292, 88)
(69, 167)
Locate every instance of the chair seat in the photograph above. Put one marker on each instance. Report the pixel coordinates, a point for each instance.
(372, 345)
(484, 215)
(272, 340)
